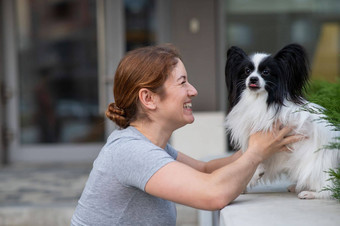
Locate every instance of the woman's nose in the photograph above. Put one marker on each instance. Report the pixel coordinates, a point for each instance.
(192, 91)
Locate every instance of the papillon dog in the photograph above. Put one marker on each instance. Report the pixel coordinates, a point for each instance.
(266, 89)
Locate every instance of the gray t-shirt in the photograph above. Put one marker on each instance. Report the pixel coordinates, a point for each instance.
(114, 193)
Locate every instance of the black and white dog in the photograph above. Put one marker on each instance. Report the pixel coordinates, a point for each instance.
(265, 89)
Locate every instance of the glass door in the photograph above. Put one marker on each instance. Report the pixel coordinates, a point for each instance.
(58, 82)
(59, 61)
(57, 113)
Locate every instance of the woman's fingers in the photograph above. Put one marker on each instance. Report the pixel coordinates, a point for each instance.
(282, 134)
(292, 139)
(284, 131)
(286, 141)
(279, 139)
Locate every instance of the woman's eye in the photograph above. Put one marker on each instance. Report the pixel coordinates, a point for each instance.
(247, 71)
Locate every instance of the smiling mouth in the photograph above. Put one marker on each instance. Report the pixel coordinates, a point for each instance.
(187, 106)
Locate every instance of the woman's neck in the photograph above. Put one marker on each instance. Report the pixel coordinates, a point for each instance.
(154, 132)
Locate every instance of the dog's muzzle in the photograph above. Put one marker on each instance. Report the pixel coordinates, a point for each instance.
(254, 83)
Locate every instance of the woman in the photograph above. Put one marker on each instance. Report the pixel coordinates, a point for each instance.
(138, 176)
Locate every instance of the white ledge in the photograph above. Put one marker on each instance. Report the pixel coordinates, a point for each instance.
(272, 205)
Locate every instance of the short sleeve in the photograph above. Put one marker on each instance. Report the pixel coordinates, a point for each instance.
(136, 161)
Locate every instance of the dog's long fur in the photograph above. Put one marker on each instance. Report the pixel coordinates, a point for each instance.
(265, 89)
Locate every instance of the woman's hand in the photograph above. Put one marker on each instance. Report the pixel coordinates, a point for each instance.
(265, 144)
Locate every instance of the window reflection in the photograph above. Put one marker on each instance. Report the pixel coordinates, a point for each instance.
(58, 72)
(139, 23)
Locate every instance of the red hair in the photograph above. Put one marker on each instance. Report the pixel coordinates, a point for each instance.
(146, 67)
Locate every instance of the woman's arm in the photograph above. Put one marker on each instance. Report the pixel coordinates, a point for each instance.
(183, 184)
(207, 167)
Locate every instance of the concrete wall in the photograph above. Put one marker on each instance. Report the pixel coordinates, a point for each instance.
(204, 139)
(193, 31)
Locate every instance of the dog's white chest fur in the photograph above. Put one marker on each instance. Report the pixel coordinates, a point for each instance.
(307, 164)
(248, 116)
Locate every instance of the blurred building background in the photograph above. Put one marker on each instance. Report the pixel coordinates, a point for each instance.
(58, 58)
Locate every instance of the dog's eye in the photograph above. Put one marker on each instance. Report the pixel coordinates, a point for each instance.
(265, 72)
(247, 71)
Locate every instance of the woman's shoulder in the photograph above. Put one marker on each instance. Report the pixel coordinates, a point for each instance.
(121, 145)
(128, 134)
(130, 142)
(129, 138)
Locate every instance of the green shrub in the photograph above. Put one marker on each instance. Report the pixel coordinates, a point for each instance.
(335, 178)
(327, 95)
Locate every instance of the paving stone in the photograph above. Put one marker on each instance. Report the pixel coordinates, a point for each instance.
(47, 195)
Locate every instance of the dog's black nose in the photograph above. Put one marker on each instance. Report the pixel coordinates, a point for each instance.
(253, 80)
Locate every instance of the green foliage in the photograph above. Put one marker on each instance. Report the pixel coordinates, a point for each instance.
(327, 95)
(335, 178)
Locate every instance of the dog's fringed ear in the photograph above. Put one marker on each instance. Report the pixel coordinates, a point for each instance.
(294, 65)
(235, 57)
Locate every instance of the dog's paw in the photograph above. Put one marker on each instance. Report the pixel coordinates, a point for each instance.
(307, 195)
(291, 188)
(257, 176)
(255, 179)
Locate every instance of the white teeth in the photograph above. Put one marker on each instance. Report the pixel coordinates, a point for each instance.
(187, 105)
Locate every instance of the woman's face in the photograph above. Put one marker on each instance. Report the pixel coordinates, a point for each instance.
(175, 107)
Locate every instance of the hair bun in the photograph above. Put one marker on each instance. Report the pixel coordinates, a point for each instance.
(117, 115)
(114, 108)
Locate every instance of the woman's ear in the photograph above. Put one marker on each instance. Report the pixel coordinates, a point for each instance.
(147, 98)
